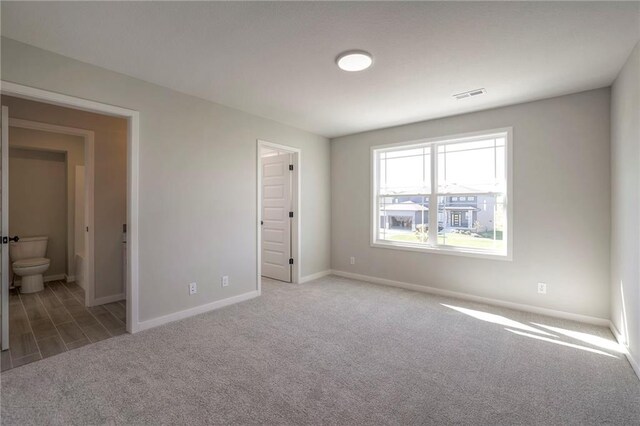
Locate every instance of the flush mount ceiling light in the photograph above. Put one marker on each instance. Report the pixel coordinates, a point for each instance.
(354, 60)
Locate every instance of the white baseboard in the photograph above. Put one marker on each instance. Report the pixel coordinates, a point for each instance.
(621, 341)
(315, 276)
(57, 277)
(496, 302)
(108, 299)
(145, 325)
(70, 278)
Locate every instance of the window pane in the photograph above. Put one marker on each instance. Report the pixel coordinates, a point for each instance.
(478, 225)
(471, 167)
(469, 197)
(405, 171)
(403, 219)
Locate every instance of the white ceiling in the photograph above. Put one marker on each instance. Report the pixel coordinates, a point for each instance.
(276, 60)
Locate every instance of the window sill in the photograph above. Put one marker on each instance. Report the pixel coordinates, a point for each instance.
(447, 250)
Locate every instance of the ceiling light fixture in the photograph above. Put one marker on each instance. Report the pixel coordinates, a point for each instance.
(354, 60)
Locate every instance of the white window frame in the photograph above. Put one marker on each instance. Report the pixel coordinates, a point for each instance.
(507, 132)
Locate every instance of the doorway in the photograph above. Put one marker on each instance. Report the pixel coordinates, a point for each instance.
(278, 210)
(77, 147)
(70, 301)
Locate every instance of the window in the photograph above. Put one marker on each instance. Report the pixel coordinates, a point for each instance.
(460, 184)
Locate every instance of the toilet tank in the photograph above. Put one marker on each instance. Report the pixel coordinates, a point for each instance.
(28, 248)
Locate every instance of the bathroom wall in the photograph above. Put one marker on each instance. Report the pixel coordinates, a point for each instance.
(110, 180)
(79, 222)
(38, 201)
(73, 147)
(79, 225)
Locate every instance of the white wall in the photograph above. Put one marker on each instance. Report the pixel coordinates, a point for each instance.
(73, 149)
(38, 201)
(197, 180)
(625, 203)
(561, 207)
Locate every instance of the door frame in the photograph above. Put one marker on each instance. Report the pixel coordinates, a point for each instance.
(89, 152)
(133, 149)
(4, 277)
(296, 234)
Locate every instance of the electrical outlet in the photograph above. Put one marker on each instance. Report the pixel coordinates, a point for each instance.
(352, 260)
(193, 289)
(225, 281)
(542, 288)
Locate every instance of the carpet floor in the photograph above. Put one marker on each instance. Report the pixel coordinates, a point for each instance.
(336, 351)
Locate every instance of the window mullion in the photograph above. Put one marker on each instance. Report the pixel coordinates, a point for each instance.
(433, 199)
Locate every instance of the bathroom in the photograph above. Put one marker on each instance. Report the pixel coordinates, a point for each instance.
(66, 216)
(43, 171)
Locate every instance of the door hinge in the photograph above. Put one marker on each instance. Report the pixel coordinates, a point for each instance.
(290, 214)
(291, 261)
(290, 166)
(87, 229)
(5, 240)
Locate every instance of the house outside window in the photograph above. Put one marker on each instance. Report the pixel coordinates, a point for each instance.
(461, 183)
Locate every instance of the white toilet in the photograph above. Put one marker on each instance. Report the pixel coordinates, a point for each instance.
(28, 262)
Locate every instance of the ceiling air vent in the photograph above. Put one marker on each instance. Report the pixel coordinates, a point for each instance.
(470, 94)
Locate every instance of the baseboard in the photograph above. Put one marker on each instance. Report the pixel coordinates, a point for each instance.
(495, 302)
(315, 276)
(621, 342)
(57, 277)
(108, 299)
(70, 278)
(155, 322)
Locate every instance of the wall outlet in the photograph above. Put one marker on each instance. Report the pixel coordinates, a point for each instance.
(224, 281)
(542, 288)
(352, 260)
(193, 289)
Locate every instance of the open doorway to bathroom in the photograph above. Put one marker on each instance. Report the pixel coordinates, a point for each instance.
(67, 214)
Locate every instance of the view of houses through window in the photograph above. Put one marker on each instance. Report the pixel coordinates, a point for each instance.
(464, 180)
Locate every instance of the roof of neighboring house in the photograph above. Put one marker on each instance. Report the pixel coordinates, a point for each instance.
(462, 208)
(406, 206)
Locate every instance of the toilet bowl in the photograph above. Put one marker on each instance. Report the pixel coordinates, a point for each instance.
(29, 263)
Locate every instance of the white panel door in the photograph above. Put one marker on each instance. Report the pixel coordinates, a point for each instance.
(276, 223)
(4, 224)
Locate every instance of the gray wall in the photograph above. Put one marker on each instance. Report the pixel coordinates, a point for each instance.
(625, 203)
(38, 201)
(197, 180)
(73, 149)
(561, 208)
(110, 182)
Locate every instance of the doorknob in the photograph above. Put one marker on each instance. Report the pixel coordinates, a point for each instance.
(16, 238)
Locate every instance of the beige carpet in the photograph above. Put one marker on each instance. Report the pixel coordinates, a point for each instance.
(336, 351)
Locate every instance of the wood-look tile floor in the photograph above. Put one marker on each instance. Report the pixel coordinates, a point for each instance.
(55, 320)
